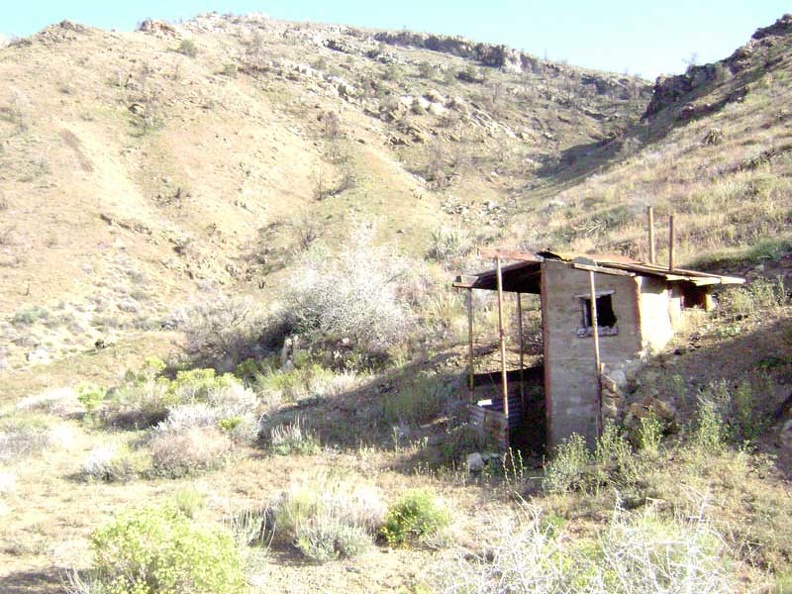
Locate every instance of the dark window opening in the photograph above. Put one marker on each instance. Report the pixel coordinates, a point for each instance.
(606, 318)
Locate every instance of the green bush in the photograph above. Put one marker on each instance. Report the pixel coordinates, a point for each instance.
(188, 48)
(448, 244)
(90, 396)
(414, 517)
(160, 551)
(570, 468)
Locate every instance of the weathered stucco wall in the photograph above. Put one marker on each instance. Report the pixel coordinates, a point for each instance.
(570, 386)
(656, 308)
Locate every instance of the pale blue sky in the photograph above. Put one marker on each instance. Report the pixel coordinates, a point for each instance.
(647, 38)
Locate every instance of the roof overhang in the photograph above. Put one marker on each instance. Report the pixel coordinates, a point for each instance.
(525, 275)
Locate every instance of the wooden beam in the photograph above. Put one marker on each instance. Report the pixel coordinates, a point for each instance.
(671, 243)
(595, 332)
(471, 378)
(601, 269)
(508, 254)
(502, 338)
(522, 350)
(652, 255)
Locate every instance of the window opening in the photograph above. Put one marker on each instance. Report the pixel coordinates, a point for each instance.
(606, 317)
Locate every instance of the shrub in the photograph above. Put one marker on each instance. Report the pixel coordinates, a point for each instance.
(328, 519)
(639, 553)
(141, 403)
(159, 550)
(709, 430)
(352, 297)
(414, 517)
(90, 396)
(194, 398)
(29, 316)
(113, 464)
(570, 468)
(293, 438)
(447, 245)
(321, 542)
(188, 48)
(616, 463)
(650, 432)
(759, 295)
(301, 381)
(230, 70)
(22, 435)
(426, 70)
(188, 453)
(240, 425)
(222, 332)
(419, 401)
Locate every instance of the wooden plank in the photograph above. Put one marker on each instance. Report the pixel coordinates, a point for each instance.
(508, 254)
(601, 269)
(471, 379)
(597, 365)
(502, 339)
(652, 255)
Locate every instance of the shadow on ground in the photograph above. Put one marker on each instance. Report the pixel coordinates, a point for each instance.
(46, 581)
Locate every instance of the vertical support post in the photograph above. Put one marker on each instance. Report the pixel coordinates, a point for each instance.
(671, 243)
(597, 364)
(652, 255)
(471, 378)
(522, 353)
(502, 338)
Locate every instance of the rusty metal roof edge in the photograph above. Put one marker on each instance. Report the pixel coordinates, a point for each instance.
(597, 264)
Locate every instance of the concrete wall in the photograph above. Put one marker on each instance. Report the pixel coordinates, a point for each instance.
(570, 386)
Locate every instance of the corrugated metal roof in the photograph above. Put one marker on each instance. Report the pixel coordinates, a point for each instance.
(525, 275)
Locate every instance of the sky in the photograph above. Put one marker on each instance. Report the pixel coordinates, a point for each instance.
(625, 36)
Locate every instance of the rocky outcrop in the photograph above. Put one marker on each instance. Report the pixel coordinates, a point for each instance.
(673, 89)
(782, 26)
(158, 28)
(494, 56)
(669, 90)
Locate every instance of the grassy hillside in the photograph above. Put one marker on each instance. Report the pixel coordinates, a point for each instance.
(288, 202)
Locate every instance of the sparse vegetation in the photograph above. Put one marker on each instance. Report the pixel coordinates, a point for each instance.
(638, 552)
(349, 347)
(293, 438)
(327, 519)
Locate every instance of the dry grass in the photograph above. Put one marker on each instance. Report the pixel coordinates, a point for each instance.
(133, 216)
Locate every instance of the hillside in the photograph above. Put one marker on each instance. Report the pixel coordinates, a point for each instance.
(195, 197)
(180, 157)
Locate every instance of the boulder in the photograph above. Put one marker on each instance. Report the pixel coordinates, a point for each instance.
(474, 463)
(785, 435)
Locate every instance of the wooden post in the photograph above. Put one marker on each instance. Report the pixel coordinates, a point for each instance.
(671, 243)
(502, 337)
(471, 376)
(652, 255)
(597, 365)
(522, 351)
